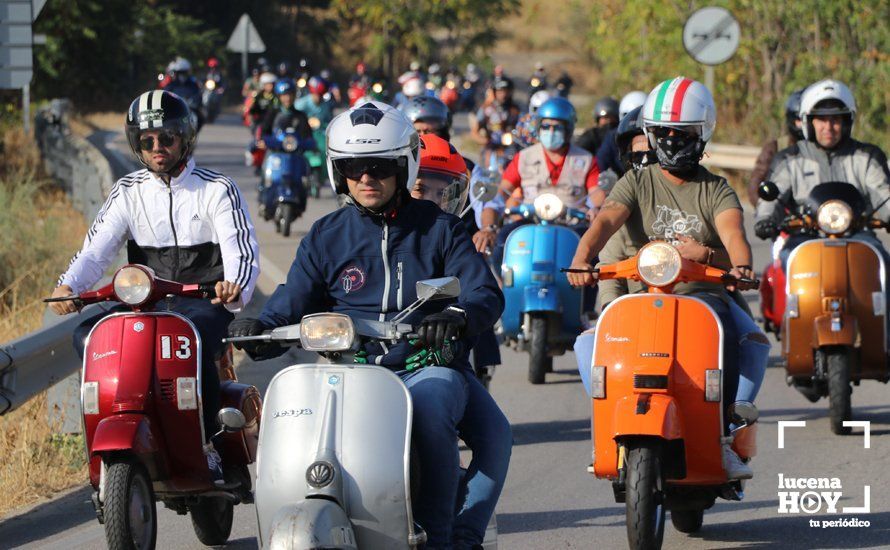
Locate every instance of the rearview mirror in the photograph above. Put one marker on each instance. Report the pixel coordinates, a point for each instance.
(231, 419)
(768, 191)
(743, 413)
(435, 289)
(484, 191)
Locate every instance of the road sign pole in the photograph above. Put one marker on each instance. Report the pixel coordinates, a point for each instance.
(244, 53)
(709, 78)
(26, 108)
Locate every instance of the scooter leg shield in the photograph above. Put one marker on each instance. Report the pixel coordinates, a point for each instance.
(310, 523)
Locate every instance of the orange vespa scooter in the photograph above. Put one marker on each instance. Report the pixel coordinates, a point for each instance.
(834, 329)
(656, 387)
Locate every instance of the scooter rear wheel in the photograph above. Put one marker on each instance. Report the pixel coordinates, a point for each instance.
(687, 521)
(287, 217)
(212, 520)
(644, 499)
(838, 365)
(131, 521)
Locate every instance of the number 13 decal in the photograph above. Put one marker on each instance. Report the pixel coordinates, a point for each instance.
(184, 351)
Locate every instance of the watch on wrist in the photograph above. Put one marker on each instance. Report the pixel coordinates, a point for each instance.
(491, 228)
(457, 310)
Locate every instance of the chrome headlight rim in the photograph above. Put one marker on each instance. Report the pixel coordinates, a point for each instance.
(124, 294)
(549, 207)
(646, 259)
(834, 209)
(320, 321)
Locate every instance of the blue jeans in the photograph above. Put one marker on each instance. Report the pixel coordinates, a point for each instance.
(439, 396)
(753, 354)
(486, 431)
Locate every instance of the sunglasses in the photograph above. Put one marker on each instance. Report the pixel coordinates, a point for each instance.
(551, 126)
(377, 168)
(661, 132)
(165, 139)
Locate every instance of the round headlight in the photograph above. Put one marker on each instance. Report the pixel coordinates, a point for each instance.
(659, 264)
(536, 82)
(132, 285)
(548, 207)
(314, 123)
(834, 217)
(301, 83)
(289, 144)
(430, 86)
(377, 88)
(507, 139)
(210, 84)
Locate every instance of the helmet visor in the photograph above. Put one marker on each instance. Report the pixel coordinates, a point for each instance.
(682, 130)
(448, 191)
(378, 168)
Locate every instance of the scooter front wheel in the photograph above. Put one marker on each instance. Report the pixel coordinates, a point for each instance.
(644, 498)
(838, 365)
(287, 217)
(539, 362)
(212, 520)
(131, 521)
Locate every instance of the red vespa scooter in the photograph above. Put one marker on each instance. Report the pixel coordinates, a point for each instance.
(142, 417)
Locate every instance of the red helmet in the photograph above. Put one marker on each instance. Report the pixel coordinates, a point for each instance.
(317, 86)
(442, 177)
(360, 67)
(213, 62)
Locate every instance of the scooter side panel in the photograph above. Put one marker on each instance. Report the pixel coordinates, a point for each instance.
(370, 438)
(804, 281)
(867, 276)
(177, 351)
(675, 336)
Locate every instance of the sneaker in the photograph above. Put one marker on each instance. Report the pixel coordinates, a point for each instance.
(735, 468)
(214, 464)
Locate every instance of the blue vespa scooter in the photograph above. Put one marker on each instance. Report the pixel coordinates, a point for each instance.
(543, 312)
(282, 191)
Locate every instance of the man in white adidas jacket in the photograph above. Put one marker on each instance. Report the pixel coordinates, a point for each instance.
(188, 224)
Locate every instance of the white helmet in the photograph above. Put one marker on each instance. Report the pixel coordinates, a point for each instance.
(373, 129)
(538, 98)
(180, 64)
(412, 87)
(681, 103)
(267, 78)
(631, 101)
(837, 98)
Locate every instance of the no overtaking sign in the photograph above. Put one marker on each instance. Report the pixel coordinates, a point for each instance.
(711, 35)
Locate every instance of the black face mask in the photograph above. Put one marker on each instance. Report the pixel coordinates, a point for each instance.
(679, 153)
(638, 160)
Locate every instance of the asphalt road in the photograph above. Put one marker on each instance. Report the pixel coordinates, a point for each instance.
(550, 501)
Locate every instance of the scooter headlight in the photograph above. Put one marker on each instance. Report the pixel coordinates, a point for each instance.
(133, 285)
(506, 139)
(289, 144)
(548, 207)
(327, 332)
(659, 264)
(210, 84)
(314, 123)
(834, 217)
(301, 83)
(377, 88)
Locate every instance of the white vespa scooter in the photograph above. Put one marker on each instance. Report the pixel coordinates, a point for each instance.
(334, 455)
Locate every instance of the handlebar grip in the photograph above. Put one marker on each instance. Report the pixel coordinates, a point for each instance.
(576, 270)
(207, 290)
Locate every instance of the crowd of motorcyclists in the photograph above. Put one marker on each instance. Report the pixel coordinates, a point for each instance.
(410, 212)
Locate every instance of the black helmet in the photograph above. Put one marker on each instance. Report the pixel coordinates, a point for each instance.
(629, 127)
(156, 110)
(607, 106)
(792, 114)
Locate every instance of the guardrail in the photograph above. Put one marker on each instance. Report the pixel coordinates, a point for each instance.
(42, 359)
(733, 157)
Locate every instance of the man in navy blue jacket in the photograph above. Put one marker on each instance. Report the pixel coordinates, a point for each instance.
(364, 260)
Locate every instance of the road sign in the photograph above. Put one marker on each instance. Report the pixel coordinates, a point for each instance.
(711, 35)
(15, 44)
(245, 38)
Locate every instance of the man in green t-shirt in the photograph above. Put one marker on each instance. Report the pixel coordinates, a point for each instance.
(679, 201)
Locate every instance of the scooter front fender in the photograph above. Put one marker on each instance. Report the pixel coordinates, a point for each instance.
(823, 334)
(125, 432)
(311, 523)
(540, 298)
(660, 418)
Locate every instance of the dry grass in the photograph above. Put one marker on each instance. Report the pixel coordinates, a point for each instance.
(85, 125)
(39, 230)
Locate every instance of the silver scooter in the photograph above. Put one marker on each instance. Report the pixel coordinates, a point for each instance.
(334, 456)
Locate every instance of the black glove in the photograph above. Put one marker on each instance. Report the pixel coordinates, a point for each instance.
(766, 230)
(247, 326)
(445, 326)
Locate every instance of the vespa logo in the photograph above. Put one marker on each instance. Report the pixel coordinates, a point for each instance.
(292, 412)
(810, 495)
(610, 338)
(320, 474)
(97, 355)
(805, 275)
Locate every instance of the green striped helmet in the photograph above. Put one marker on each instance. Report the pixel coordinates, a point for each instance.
(681, 103)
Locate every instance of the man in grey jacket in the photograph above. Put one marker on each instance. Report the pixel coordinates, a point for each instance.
(828, 154)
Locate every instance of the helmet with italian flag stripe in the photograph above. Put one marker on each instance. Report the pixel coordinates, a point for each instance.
(681, 103)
